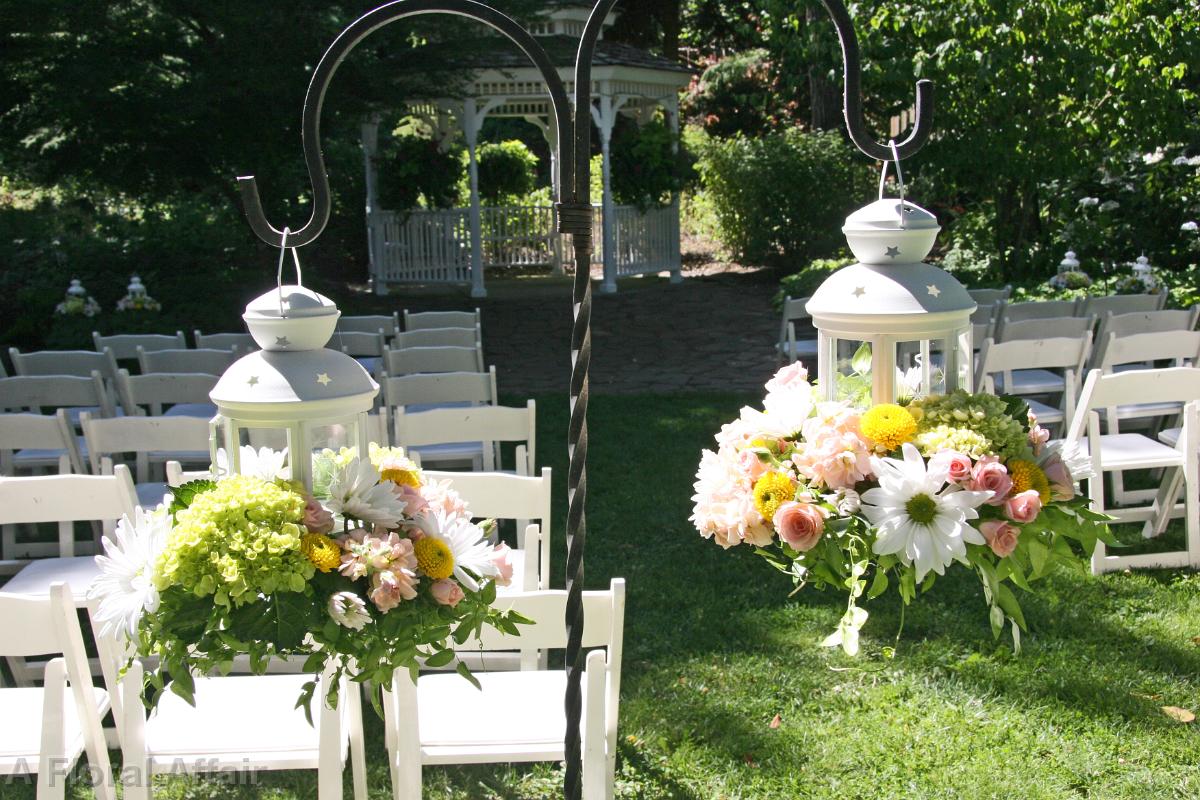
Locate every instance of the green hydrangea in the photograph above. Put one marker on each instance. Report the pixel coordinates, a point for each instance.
(946, 437)
(236, 541)
(983, 414)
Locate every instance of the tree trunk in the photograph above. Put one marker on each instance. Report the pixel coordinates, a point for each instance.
(825, 96)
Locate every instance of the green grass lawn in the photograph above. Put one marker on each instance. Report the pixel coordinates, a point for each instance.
(715, 649)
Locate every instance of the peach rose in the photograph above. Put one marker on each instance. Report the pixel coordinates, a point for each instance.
(316, 518)
(958, 466)
(1024, 507)
(1001, 536)
(989, 475)
(501, 557)
(750, 464)
(1062, 485)
(799, 524)
(446, 592)
(791, 375)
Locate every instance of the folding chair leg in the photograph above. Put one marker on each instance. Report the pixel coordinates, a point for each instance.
(358, 756)
(1192, 501)
(404, 759)
(1164, 503)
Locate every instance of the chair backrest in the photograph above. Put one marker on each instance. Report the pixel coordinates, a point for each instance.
(794, 310)
(988, 297)
(178, 476)
(420, 320)
(80, 363)
(370, 323)
(439, 337)
(206, 361)
(379, 427)
(1141, 322)
(476, 388)
(1033, 309)
(39, 432)
(415, 360)
(67, 499)
(37, 392)
(473, 424)
(141, 435)
(1176, 346)
(1107, 391)
(151, 393)
(981, 331)
(358, 343)
(125, 345)
(1047, 328)
(1123, 303)
(987, 312)
(244, 342)
(1066, 353)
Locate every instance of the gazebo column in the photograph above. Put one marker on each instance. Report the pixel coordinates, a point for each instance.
(370, 148)
(604, 114)
(550, 134)
(471, 119)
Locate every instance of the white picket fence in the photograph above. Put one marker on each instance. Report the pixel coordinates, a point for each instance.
(435, 246)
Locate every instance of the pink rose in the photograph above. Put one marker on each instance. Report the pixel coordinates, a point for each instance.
(989, 475)
(446, 592)
(414, 502)
(957, 466)
(389, 587)
(750, 464)
(501, 557)
(799, 524)
(1024, 507)
(1001, 536)
(316, 518)
(788, 376)
(1062, 485)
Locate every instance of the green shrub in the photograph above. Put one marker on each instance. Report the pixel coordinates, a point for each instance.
(413, 170)
(737, 95)
(647, 167)
(507, 171)
(782, 198)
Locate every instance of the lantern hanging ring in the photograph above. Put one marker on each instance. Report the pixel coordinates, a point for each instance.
(852, 98)
(283, 248)
(899, 177)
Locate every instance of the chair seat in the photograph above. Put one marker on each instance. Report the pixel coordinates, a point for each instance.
(800, 347)
(35, 457)
(21, 743)
(1045, 413)
(1031, 381)
(1170, 436)
(517, 717)
(238, 722)
(35, 578)
(451, 451)
(1121, 451)
(150, 495)
(202, 410)
(416, 408)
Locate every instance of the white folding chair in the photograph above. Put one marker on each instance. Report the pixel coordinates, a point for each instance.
(39, 441)
(207, 362)
(389, 324)
(420, 320)
(63, 499)
(80, 363)
(153, 441)
(439, 337)
(125, 345)
(1033, 380)
(1116, 452)
(171, 394)
(365, 348)
(524, 499)
(244, 723)
(470, 436)
(789, 348)
(517, 716)
(989, 297)
(423, 392)
(46, 729)
(1122, 303)
(1006, 358)
(1122, 325)
(424, 360)
(1033, 309)
(242, 342)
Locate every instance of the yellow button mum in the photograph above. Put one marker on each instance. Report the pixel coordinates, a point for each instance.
(888, 425)
(434, 557)
(402, 477)
(771, 491)
(1027, 475)
(322, 551)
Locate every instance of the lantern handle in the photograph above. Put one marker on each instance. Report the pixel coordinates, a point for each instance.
(283, 248)
(852, 98)
(899, 178)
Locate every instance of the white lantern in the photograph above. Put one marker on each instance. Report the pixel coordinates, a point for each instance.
(293, 392)
(1069, 263)
(136, 288)
(890, 327)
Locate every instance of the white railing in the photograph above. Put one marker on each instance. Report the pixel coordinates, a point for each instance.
(435, 246)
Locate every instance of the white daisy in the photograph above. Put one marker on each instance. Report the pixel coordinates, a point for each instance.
(125, 587)
(1078, 463)
(917, 516)
(262, 463)
(467, 543)
(355, 491)
(348, 610)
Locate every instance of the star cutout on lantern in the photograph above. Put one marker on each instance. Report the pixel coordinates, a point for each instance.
(933, 290)
(253, 380)
(859, 291)
(892, 252)
(282, 341)
(324, 379)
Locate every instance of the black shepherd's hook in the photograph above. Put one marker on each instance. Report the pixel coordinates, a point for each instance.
(852, 102)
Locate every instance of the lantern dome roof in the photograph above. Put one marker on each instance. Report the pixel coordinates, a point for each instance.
(298, 385)
(909, 299)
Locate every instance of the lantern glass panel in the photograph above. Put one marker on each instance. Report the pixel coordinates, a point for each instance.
(920, 368)
(852, 373)
(965, 358)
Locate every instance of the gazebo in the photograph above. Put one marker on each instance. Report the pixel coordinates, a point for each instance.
(456, 245)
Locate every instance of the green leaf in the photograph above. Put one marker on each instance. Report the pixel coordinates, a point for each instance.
(860, 362)
(306, 698)
(440, 659)
(462, 669)
(1038, 554)
(182, 496)
(1008, 601)
(879, 584)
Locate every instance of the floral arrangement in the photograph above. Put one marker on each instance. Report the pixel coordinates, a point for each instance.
(862, 500)
(77, 303)
(1070, 279)
(381, 571)
(136, 298)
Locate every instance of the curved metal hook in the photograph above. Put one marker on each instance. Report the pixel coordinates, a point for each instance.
(315, 98)
(852, 102)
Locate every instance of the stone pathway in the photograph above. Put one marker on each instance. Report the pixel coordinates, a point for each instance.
(710, 333)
